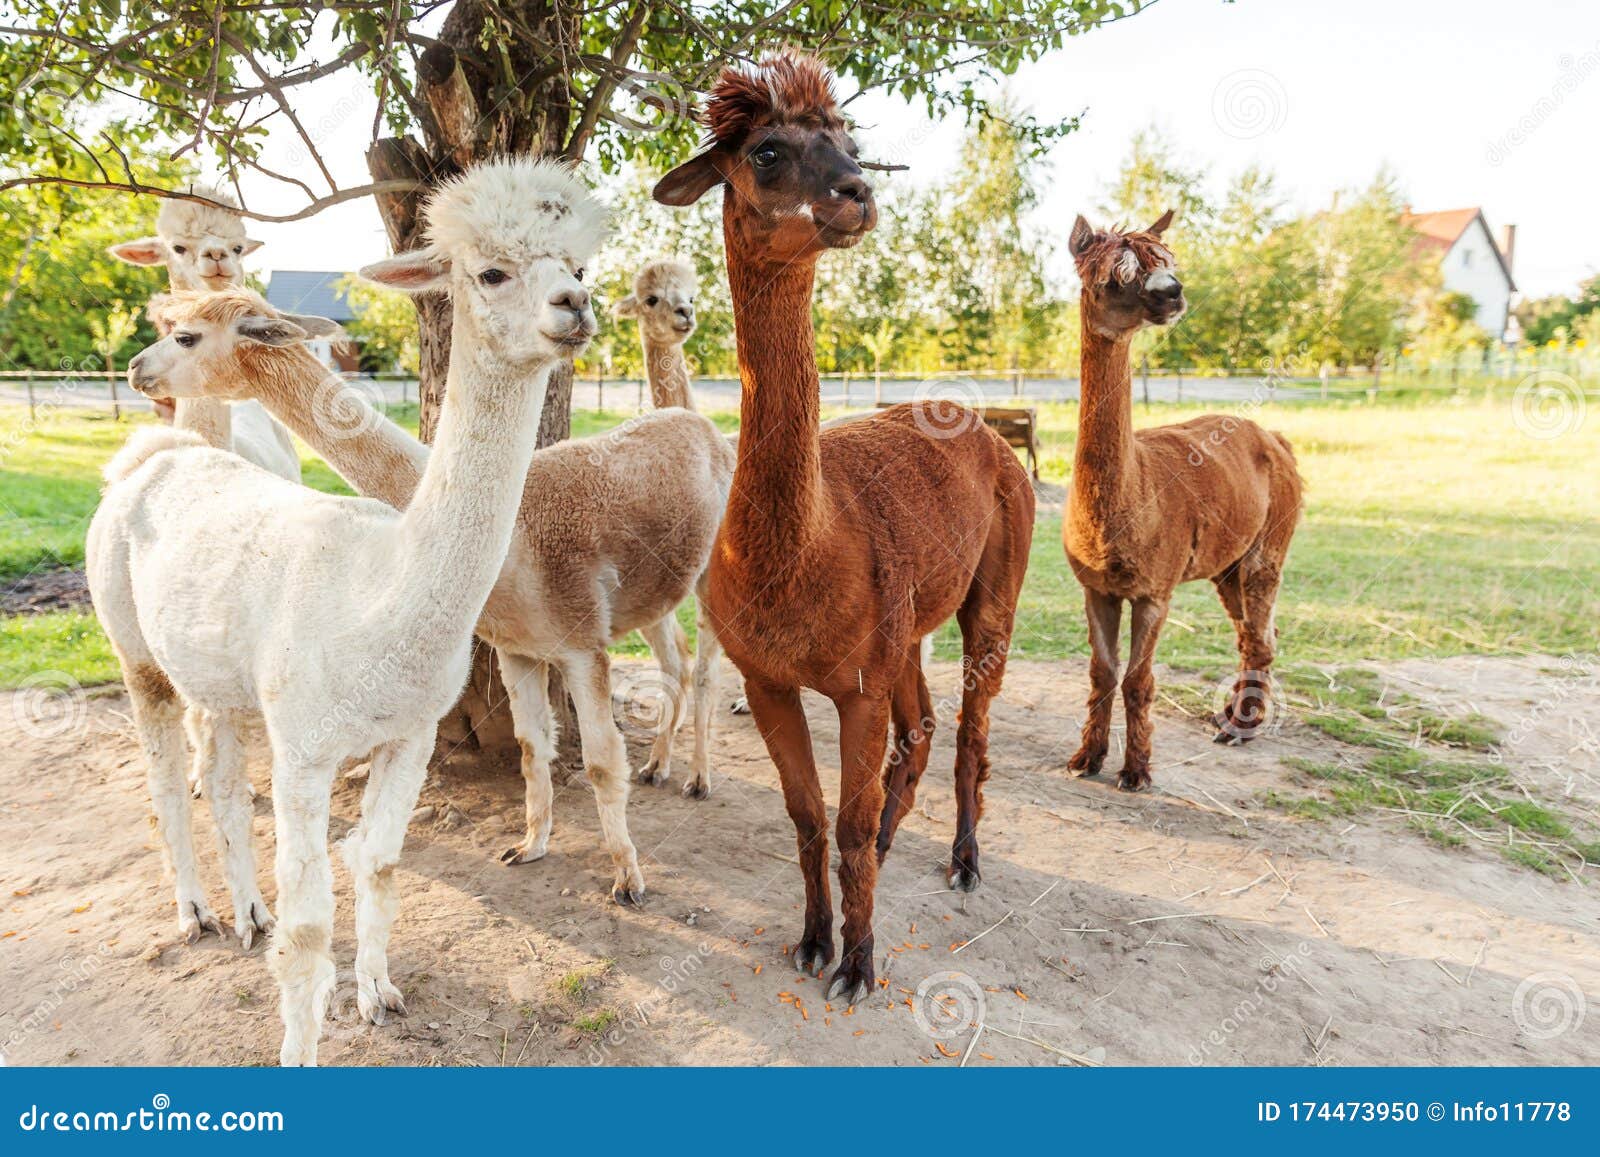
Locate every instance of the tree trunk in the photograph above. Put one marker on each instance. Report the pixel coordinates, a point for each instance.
(457, 81)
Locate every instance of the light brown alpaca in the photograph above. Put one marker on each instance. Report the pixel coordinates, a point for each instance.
(662, 302)
(1212, 498)
(842, 548)
(602, 546)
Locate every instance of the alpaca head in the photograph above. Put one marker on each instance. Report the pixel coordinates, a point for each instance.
(202, 246)
(508, 241)
(219, 344)
(662, 301)
(1128, 278)
(781, 147)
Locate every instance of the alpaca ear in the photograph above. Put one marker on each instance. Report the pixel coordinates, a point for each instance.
(157, 310)
(142, 251)
(315, 326)
(1082, 237)
(689, 181)
(250, 246)
(1162, 222)
(415, 271)
(627, 307)
(269, 331)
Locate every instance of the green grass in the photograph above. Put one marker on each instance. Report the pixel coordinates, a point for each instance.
(1430, 529)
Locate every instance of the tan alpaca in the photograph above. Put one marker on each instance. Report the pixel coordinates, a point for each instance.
(662, 302)
(1212, 498)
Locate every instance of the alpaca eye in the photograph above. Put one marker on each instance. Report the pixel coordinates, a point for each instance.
(491, 277)
(652, 300)
(238, 249)
(187, 340)
(180, 249)
(578, 273)
(764, 157)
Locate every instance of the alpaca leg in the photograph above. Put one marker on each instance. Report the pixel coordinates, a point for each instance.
(302, 942)
(1105, 621)
(528, 686)
(197, 726)
(605, 758)
(911, 711)
(707, 673)
(670, 647)
(1249, 708)
(226, 786)
(371, 852)
(1139, 691)
(863, 735)
(782, 723)
(158, 715)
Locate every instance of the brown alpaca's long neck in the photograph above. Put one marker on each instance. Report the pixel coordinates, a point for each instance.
(777, 483)
(1105, 464)
(667, 371)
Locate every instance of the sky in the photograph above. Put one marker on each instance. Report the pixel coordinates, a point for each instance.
(1469, 102)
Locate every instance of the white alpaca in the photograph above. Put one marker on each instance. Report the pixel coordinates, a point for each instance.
(344, 624)
(202, 248)
(614, 532)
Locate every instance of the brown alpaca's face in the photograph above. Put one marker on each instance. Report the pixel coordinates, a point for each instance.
(1129, 279)
(793, 189)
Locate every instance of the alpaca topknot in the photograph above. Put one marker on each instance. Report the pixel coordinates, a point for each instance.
(1123, 257)
(658, 275)
(223, 306)
(194, 220)
(520, 207)
(785, 87)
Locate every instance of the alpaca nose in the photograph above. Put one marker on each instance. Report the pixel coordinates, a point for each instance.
(853, 187)
(686, 313)
(217, 253)
(1169, 289)
(575, 298)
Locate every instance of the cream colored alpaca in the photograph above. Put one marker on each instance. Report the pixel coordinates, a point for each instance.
(662, 302)
(344, 624)
(202, 248)
(614, 532)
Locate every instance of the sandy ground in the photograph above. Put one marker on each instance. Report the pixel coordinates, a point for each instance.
(1190, 925)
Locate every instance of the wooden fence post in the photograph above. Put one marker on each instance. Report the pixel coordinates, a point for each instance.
(1144, 374)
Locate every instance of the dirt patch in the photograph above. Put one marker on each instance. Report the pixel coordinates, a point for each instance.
(50, 590)
(1191, 924)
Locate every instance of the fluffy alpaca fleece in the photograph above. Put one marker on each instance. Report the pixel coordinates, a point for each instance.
(602, 547)
(344, 624)
(843, 548)
(1216, 497)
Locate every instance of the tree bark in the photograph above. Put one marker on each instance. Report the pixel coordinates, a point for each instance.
(529, 110)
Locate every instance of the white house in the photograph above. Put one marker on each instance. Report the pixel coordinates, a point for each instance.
(1471, 260)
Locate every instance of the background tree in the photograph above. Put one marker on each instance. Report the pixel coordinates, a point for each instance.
(384, 327)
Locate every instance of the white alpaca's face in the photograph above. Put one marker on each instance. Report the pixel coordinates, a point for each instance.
(664, 310)
(206, 261)
(524, 308)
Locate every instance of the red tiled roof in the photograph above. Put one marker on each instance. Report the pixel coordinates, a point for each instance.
(1437, 232)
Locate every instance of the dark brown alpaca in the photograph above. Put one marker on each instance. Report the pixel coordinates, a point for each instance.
(1213, 498)
(841, 550)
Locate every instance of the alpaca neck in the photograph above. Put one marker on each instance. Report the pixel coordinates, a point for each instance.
(371, 453)
(667, 371)
(211, 418)
(1104, 463)
(777, 482)
(456, 531)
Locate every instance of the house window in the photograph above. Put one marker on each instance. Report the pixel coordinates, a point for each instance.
(1466, 259)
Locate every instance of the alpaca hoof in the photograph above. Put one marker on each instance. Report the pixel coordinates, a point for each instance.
(195, 919)
(524, 853)
(697, 789)
(251, 921)
(294, 1056)
(196, 789)
(628, 895)
(376, 999)
(1087, 762)
(964, 878)
(812, 956)
(653, 774)
(852, 982)
(1230, 739)
(740, 706)
(1135, 779)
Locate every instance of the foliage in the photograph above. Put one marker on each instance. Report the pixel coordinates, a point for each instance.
(384, 327)
(1560, 320)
